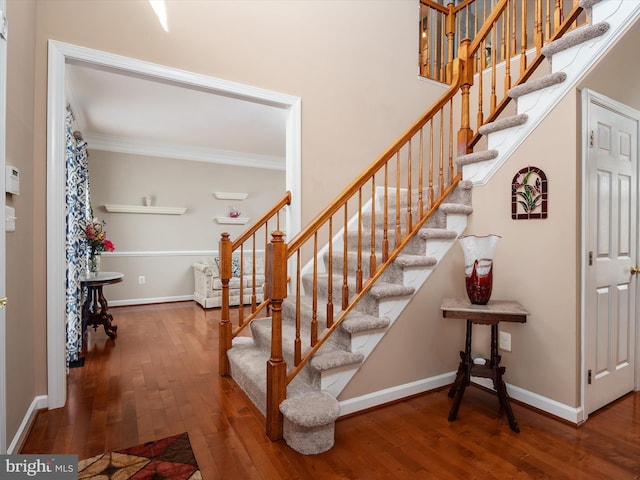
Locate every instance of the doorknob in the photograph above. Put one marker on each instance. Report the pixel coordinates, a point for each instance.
(3, 302)
(635, 269)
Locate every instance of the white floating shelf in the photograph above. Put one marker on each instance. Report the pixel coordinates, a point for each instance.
(144, 209)
(230, 195)
(232, 221)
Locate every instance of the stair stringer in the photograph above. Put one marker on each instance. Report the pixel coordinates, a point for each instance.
(575, 61)
(335, 380)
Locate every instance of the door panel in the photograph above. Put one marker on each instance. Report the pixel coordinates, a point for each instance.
(611, 226)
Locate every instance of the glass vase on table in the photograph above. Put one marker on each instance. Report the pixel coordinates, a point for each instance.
(93, 265)
(478, 266)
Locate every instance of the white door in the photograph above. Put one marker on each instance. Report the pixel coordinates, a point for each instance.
(611, 248)
(3, 291)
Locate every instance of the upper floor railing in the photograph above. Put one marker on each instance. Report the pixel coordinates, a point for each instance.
(528, 24)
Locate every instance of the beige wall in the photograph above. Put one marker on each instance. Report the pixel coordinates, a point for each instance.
(25, 345)
(163, 247)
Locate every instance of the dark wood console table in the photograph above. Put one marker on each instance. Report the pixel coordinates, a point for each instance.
(95, 310)
(492, 314)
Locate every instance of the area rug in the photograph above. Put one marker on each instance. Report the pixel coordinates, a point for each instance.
(170, 458)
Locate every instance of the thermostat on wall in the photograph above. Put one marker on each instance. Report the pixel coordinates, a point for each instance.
(12, 180)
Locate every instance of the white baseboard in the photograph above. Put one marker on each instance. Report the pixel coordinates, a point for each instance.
(147, 301)
(392, 394)
(21, 435)
(557, 409)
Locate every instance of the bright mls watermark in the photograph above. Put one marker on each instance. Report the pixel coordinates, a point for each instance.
(45, 467)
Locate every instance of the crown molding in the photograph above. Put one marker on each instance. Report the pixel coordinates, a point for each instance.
(110, 143)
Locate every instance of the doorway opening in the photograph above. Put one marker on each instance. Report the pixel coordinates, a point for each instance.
(59, 55)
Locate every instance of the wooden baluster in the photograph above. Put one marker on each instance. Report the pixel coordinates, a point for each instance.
(276, 366)
(409, 213)
(514, 16)
(314, 306)
(266, 266)
(297, 344)
(523, 38)
(385, 215)
(254, 298)
(359, 252)
(372, 256)
(506, 24)
(450, 25)
(492, 97)
(558, 16)
(426, 43)
(330, 275)
(450, 135)
(503, 37)
(345, 286)
(441, 62)
(441, 162)
(421, 176)
(547, 23)
(465, 134)
(225, 327)
(538, 35)
(431, 195)
(483, 65)
(398, 229)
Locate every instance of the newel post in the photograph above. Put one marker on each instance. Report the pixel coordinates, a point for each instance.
(276, 366)
(225, 329)
(465, 134)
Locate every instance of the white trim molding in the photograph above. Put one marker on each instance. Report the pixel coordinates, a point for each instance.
(39, 402)
(382, 397)
(59, 54)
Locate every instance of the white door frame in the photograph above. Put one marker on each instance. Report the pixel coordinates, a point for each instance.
(587, 97)
(59, 54)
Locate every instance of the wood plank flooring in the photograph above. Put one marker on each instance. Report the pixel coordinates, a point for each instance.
(159, 378)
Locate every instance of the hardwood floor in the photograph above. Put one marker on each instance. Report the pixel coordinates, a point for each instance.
(159, 378)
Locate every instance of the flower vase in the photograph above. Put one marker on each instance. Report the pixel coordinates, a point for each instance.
(478, 266)
(93, 265)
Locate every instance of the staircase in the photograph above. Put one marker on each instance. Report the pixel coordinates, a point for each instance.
(310, 408)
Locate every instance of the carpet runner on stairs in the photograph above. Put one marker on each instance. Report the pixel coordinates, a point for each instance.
(311, 407)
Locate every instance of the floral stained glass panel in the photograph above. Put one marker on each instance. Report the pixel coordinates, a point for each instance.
(529, 194)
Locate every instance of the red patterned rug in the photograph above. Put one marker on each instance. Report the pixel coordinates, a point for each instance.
(167, 459)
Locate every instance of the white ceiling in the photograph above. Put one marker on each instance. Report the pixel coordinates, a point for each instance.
(129, 113)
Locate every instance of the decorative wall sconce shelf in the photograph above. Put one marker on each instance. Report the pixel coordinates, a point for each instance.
(144, 209)
(230, 195)
(232, 220)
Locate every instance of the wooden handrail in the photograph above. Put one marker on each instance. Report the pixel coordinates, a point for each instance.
(285, 200)
(434, 5)
(358, 183)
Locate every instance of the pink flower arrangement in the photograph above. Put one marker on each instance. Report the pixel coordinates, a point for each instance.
(97, 237)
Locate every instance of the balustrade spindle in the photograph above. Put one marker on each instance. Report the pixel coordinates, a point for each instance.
(314, 314)
(372, 255)
(345, 285)
(330, 275)
(420, 208)
(523, 38)
(409, 188)
(359, 251)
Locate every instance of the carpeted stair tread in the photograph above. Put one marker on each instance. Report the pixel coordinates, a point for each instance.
(334, 358)
(385, 290)
(357, 322)
(575, 37)
(311, 409)
(406, 261)
(586, 4)
(476, 157)
(503, 124)
(537, 84)
(437, 234)
(456, 208)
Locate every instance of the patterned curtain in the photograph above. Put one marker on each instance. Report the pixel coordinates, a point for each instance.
(78, 214)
